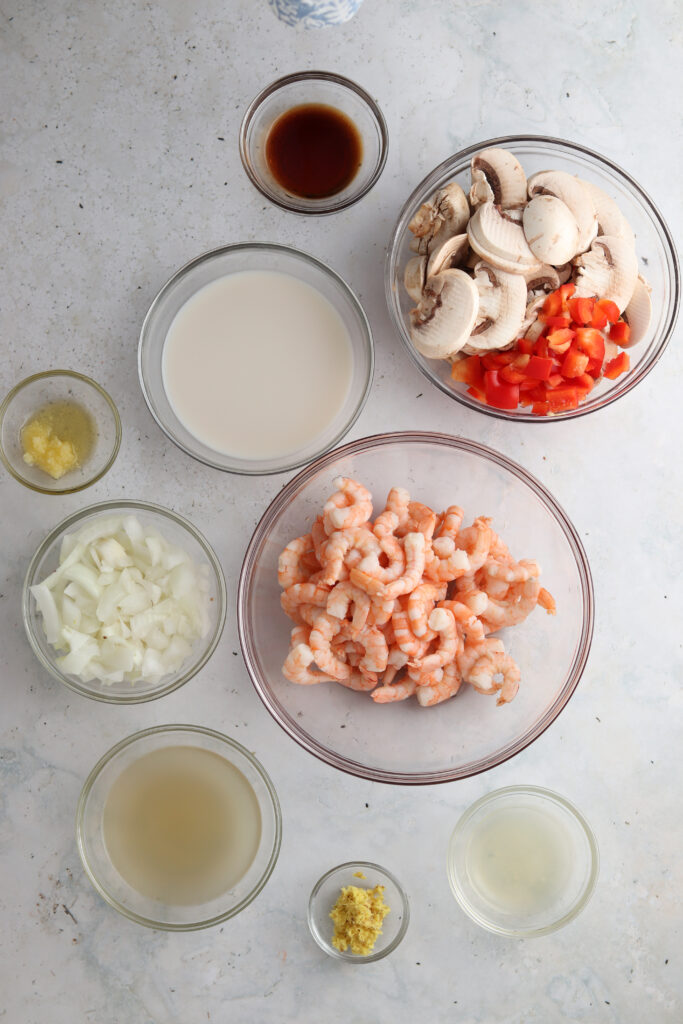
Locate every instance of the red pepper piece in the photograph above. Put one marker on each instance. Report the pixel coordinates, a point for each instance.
(539, 368)
(553, 304)
(476, 393)
(541, 347)
(521, 361)
(499, 393)
(555, 380)
(540, 408)
(574, 363)
(565, 292)
(469, 371)
(599, 318)
(559, 341)
(610, 309)
(621, 333)
(591, 342)
(584, 383)
(620, 364)
(553, 322)
(525, 346)
(581, 309)
(510, 375)
(562, 398)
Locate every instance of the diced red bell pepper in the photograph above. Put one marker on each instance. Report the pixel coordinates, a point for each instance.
(591, 341)
(620, 333)
(540, 408)
(584, 383)
(620, 364)
(599, 318)
(539, 368)
(581, 309)
(554, 322)
(594, 368)
(521, 361)
(525, 346)
(499, 393)
(566, 397)
(525, 400)
(574, 363)
(610, 309)
(510, 375)
(553, 304)
(494, 360)
(476, 393)
(566, 291)
(559, 341)
(541, 347)
(555, 380)
(469, 371)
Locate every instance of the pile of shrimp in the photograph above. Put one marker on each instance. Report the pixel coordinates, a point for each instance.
(404, 605)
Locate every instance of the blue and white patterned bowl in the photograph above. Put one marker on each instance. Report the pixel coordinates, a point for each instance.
(315, 13)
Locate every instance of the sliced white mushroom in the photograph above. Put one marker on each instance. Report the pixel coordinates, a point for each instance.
(544, 279)
(572, 192)
(609, 270)
(611, 220)
(502, 305)
(444, 317)
(497, 235)
(414, 276)
(532, 327)
(444, 216)
(565, 272)
(638, 312)
(497, 177)
(550, 229)
(450, 254)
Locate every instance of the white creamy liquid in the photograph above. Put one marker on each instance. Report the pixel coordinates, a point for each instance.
(519, 860)
(257, 364)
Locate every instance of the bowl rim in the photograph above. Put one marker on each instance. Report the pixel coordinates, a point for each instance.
(510, 791)
(111, 506)
(171, 729)
(288, 464)
(355, 958)
(522, 416)
(573, 676)
(327, 205)
(84, 379)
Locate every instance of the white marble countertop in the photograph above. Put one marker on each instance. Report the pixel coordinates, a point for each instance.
(119, 162)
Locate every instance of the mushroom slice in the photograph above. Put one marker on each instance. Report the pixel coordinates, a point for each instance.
(609, 270)
(444, 216)
(544, 279)
(414, 276)
(497, 235)
(450, 254)
(565, 272)
(573, 194)
(611, 220)
(502, 305)
(442, 321)
(498, 177)
(532, 327)
(638, 312)
(550, 229)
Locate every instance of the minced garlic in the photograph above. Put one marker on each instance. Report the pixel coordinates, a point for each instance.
(58, 438)
(358, 915)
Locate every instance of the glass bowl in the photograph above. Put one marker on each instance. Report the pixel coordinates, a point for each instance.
(324, 896)
(41, 389)
(575, 856)
(403, 742)
(176, 530)
(330, 90)
(115, 889)
(657, 260)
(229, 260)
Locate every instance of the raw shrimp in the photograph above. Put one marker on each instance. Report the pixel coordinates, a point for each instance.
(289, 565)
(350, 505)
(446, 562)
(338, 547)
(467, 622)
(475, 540)
(342, 597)
(398, 500)
(441, 621)
(376, 650)
(421, 519)
(395, 691)
(303, 593)
(511, 572)
(435, 693)
(482, 676)
(414, 545)
(324, 629)
(403, 631)
(421, 603)
(520, 601)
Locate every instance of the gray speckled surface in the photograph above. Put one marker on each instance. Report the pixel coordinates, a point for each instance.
(118, 163)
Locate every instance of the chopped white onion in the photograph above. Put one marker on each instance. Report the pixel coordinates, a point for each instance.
(124, 604)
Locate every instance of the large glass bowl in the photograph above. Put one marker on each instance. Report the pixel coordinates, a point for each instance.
(174, 529)
(110, 883)
(231, 259)
(657, 261)
(403, 742)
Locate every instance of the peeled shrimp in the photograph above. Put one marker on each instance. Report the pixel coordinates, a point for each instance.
(350, 505)
(421, 602)
(289, 565)
(395, 691)
(435, 693)
(342, 597)
(296, 667)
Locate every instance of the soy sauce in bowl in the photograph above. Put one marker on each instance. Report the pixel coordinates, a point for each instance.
(313, 150)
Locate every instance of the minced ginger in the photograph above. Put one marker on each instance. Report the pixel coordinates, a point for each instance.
(58, 438)
(358, 915)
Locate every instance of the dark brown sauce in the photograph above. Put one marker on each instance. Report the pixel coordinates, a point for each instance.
(313, 150)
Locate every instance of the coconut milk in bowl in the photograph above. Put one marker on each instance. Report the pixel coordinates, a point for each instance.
(255, 358)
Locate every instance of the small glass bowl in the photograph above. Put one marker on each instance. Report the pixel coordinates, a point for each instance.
(107, 880)
(30, 395)
(313, 87)
(582, 863)
(231, 259)
(326, 892)
(178, 531)
(657, 262)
